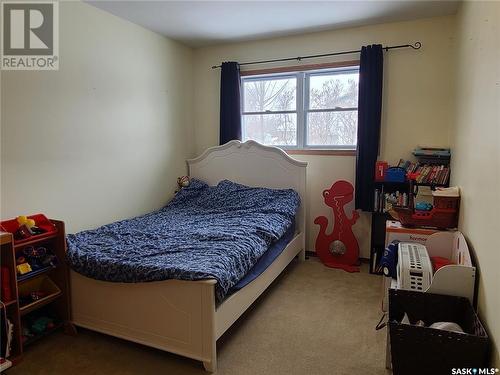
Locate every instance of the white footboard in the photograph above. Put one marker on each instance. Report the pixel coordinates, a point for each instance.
(174, 315)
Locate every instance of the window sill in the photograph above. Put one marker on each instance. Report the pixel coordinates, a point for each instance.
(321, 152)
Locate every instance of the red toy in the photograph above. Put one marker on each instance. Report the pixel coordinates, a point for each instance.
(438, 262)
(340, 248)
(380, 170)
(6, 287)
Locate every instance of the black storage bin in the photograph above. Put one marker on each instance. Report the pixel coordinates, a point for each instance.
(424, 350)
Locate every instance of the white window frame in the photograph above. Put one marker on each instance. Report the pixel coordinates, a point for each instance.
(302, 105)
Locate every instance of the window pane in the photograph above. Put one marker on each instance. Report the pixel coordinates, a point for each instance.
(271, 129)
(270, 94)
(329, 91)
(332, 128)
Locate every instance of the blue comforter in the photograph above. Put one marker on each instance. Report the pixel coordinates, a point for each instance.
(204, 232)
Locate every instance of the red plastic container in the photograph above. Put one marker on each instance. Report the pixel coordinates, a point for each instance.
(381, 170)
(41, 221)
(5, 289)
(436, 218)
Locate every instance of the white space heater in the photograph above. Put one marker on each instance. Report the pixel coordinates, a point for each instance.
(414, 270)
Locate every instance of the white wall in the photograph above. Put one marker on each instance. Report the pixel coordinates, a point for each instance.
(104, 137)
(476, 155)
(417, 95)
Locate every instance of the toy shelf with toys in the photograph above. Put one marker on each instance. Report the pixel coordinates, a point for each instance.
(35, 291)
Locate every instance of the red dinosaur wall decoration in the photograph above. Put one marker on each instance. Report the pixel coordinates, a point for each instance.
(340, 248)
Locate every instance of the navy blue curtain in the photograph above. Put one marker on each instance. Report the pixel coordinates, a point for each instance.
(369, 113)
(230, 106)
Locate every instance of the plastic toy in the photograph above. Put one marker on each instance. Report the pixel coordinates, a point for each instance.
(182, 182)
(42, 324)
(37, 257)
(49, 260)
(389, 259)
(423, 206)
(27, 227)
(34, 255)
(26, 334)
(23, 268)
(22, 233)
(23, 220)
(37, 294)
(338, 249)
(438, 262)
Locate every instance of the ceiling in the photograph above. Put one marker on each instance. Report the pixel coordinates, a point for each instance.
(202, 23)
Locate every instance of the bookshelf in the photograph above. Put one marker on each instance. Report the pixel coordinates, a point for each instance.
(380, 216)
(431, 169)
(53, 280)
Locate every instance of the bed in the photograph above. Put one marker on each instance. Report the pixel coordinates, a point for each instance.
(187, 317)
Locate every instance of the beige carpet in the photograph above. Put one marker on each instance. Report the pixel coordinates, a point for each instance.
(312, 320)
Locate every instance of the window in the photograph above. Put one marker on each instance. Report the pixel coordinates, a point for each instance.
(302, 110)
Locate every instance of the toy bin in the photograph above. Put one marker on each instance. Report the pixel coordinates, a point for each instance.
(41, 221)
(424, 350)
(455, 279)
(395, 174)
(42, 284)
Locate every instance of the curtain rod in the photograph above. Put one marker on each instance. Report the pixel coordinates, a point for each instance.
(416, 45)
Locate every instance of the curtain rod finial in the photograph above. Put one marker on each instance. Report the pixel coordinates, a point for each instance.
(417, 45)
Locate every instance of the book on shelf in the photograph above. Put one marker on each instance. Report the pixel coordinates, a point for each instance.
(435, 152)
(438, 174)
(384, 201)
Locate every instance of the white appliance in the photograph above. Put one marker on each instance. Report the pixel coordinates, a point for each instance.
(414, 269)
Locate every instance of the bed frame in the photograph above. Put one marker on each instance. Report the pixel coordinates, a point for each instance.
(181, 316)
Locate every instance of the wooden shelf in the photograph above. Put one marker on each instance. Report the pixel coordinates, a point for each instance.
(390, 182)
(55, 304)
(33, 274)
(35, 240)
(7, 304)
(40, 303)
(5, 238)
(33, 339)
(406, 183)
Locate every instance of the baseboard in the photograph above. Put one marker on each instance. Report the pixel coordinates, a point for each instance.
(310, 253)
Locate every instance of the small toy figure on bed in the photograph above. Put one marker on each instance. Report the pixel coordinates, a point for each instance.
(182, 182)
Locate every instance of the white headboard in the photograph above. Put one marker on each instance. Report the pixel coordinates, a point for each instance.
(253, 164)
